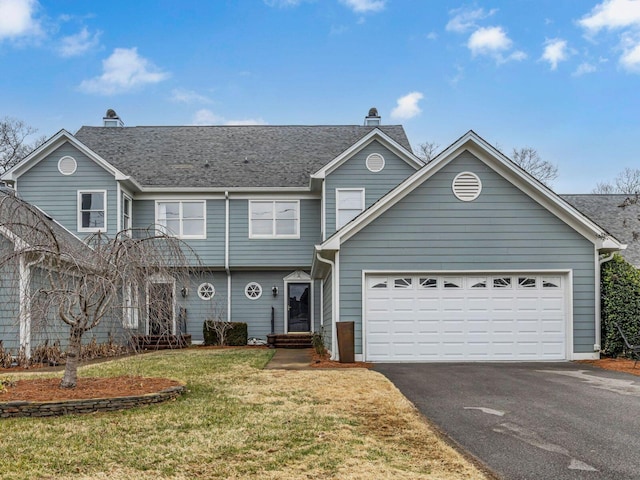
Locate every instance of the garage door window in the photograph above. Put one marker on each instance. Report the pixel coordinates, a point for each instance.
(452, 282)
(402, 283)
(377, 283)
(477, 282)
(502, 282)
(526, 282)
(550, 282)
(428, 283)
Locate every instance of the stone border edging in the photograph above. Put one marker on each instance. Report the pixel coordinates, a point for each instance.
(71, 407)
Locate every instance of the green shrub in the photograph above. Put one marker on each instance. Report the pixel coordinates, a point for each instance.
(235, 333)
(620, 303)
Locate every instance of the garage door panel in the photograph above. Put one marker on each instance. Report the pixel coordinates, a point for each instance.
(506, 317)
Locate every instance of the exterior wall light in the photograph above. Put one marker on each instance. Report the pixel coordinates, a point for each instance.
(274, 290)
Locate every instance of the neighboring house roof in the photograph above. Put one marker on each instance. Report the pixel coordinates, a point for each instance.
(618, 214)
(237, 156)
(502, 165)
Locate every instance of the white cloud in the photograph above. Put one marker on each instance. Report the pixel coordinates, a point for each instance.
(555, 51)
(77, 44)
(584, 69)
(207, 117)
(123, 71)
(407, 106)
(494, 42)
(432, 36)
(612, 14)
(365, 6)
(16, 19)
(464, 19)
(630, 59)
(180, 95)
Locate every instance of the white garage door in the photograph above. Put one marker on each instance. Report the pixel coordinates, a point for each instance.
(465, 317)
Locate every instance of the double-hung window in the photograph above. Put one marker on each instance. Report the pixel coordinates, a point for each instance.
(126, 214)
(349, 204)
(182, 219)
(274, 219)
(92, 211)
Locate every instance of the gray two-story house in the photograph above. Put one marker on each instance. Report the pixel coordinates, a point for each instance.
(465, 258)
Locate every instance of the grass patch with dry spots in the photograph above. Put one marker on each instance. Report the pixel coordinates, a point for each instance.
(237, 421)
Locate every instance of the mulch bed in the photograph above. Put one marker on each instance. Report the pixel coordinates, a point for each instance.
(48, 389)
(617, 364)
(322, 361)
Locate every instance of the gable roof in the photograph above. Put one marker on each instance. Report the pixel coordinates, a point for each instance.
(237, 156)
(618, 214)
(52, 144)
(475, 144)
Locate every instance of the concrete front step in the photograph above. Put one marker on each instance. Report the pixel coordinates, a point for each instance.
(292, 340)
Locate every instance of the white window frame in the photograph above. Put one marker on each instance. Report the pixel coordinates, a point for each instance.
(79, 211)
(253, 285)
(274, 234)
(180, 234)
(126, 226)
(362, 198)
(206, 285)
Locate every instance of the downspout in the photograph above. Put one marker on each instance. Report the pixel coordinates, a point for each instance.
(601, 260)
(333, 303)
(226, 253)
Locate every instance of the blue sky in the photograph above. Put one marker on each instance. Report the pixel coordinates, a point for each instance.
(558, 75)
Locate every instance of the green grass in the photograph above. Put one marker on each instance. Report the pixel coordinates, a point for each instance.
(236, 421)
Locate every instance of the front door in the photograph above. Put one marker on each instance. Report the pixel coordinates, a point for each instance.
(299, 308)
(160, 309)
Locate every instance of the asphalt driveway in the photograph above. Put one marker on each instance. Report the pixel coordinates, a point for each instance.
(532, 421)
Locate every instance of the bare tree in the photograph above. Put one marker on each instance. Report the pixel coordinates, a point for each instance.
(13, 142)
(427, 151)
(627, 182)
(84, 284)
(529, 159)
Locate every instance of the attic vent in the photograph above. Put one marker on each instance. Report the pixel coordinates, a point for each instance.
(375, 162)
(67, 165)
(466, 186)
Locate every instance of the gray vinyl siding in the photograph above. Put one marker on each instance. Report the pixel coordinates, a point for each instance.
(355, 174)
(503, 229)
(277, 252)
(199, 310)
(210, 250)
(57, 194)
(9, 301)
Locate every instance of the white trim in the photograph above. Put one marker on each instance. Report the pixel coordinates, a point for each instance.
(75, 165)
(362, 201)
(118, 207)
(585, 356)
(124, 196)
(130, 315)
(79, 211)
(161, 279)
(199, 291)
(334, 329)
(567, 285)
(274, 235)
(226, 253)
(24, 280)
(501, 165)
(181, 217)
(323, 211)
(298, 277)
(228, 296)
(375, 134)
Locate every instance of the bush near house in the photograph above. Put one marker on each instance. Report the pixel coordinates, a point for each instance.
(235, 333)
(620, 304)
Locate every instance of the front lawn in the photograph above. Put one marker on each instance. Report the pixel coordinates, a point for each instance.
(237, 421)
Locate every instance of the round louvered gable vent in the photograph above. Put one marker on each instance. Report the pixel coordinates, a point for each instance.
(375, 162)
(466, 186)
(67, 165)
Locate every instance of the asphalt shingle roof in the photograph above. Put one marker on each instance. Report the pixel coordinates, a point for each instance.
(237, 156)
(617, 214)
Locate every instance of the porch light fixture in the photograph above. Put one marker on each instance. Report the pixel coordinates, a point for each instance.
(274, 290)
(184, 292)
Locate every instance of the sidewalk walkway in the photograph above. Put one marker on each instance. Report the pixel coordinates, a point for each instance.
(290, 359)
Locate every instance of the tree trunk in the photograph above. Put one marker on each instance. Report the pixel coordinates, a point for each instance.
(70, 378)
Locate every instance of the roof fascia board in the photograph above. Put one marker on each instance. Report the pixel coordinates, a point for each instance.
(245, 190)
(49, 146)
(503, 166)
(375, 134)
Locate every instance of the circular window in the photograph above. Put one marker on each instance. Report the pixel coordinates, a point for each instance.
(206, 291)
(67, 165)
(466, 186)
(253, 290)
(375, 162)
